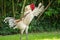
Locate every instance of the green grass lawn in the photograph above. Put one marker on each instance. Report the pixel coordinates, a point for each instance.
(33, 36)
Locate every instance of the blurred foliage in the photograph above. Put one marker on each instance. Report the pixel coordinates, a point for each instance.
(48, 22)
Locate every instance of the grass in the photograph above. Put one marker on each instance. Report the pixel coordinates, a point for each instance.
(33, 36)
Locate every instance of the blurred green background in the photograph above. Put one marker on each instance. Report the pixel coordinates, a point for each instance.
(49, 21)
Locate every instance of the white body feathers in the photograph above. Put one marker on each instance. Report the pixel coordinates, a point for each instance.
(23, 24)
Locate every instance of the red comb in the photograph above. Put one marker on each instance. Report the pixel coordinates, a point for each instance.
(32, 6)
